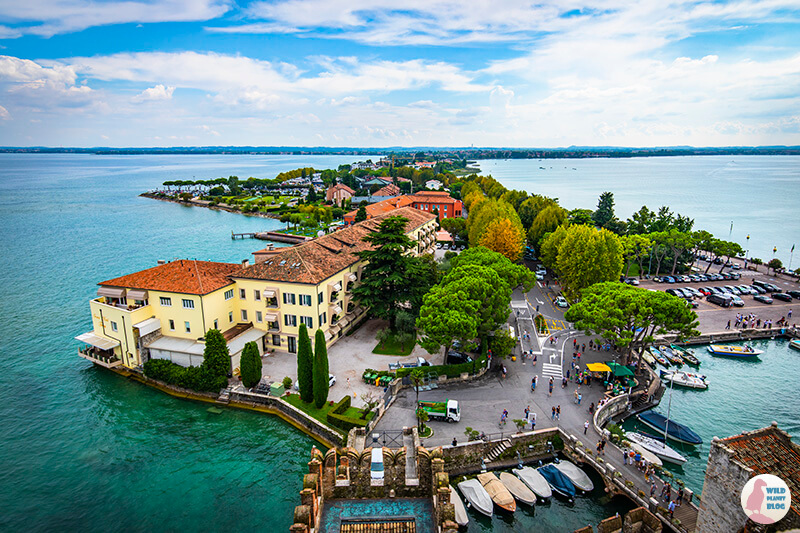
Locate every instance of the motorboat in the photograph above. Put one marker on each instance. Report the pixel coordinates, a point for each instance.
(667, 352)
(534, 481)
(794, 343)
(686, 354)
(674, 430)
(657, 356)
(462, 518)
(732, 350)
(517, 488)
(656, 447)
(558, 481)
(498, 492)
(651, 458)
(477, 496)
(648, 358)
(576, 475)
(685, 379)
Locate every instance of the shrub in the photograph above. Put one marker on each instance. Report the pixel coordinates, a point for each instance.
(450, 371)
(287, 383)
(341, 406)
(250, 365)
(345, 423)
(194, 378)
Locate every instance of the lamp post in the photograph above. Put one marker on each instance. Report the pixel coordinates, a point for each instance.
(748, 245)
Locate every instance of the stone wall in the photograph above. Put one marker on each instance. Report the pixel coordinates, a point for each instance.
(720, 508)
(610, 409)
(532, 445)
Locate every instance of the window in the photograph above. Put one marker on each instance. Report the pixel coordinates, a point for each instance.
(229, 294)
(188, 304)
(276, 340)
(172, 325)
(230, 316)
(308, 321)
(288, 298)
(166, 302)
(292, 342)
(320, 297)
(305, 299)
(113, 326)
(257, 295)
(244, 315)
(323, 319)
(290, 320)
(188, 327)
(259, 316)
(243, 294)
(216, 324)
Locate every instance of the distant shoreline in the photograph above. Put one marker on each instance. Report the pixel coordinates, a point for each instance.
(190, 203)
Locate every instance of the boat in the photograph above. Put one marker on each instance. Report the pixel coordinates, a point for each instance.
(656, 447)
(517, 488)
(674, 430)
(558, 481)
(686, 354)
(734, 351)
(685, 379)
(651, 458)
(534, 480)
(657, 356)
(648, 358)
(794, 343)
(667, 352)
(462, 518)
(498, 492)
(477, 496)
(576, 475)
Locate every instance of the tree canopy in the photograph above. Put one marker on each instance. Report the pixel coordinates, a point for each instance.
(545, 222)
(321, 383)
(216, 356)
(605, 209)
(513, 275)
(445, 316)
(305, 365)
(250, 365)
(502, 236)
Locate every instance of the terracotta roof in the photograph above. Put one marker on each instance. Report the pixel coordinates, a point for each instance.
(384, 206)
(318, 259)
(388, 190)
(769, 451)
(341, 186)
(441, 197)
(184, 276)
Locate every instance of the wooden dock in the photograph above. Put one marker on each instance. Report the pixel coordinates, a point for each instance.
(271, 236)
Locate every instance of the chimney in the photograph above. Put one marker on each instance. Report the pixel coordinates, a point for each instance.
(270, 247)
(162, 262)
(245, 263)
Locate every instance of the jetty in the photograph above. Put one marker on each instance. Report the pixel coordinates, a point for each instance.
(271, 236)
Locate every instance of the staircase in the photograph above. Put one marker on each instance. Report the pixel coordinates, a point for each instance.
(499, 448)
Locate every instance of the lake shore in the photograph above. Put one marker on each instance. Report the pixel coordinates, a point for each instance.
(201, 203)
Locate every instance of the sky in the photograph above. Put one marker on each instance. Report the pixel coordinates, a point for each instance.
(387, 73)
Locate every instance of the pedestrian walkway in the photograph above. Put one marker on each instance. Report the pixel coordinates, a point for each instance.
(552, 370)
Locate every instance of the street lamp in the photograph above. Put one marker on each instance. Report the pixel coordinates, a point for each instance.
(748, 246)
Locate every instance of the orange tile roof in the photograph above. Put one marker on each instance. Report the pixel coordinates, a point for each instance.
(185, 276)
(384, 206)
(318, 259)
(341, 186)
(433, 196)
(769, 451)
(388, 190)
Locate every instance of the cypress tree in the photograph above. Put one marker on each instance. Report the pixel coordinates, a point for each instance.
(250, 365)
(320, 370)
(216, 357)
(305, 364)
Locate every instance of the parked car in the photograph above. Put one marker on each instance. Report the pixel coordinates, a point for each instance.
(705, 291)
(694, 292)
(794, 294)
(674, 292)
(759, 290)
(657, 279)
(631, 281)
(457, 358)
(738, 302)
(733, 290)
(692, 304)
(331, 382)
(723, 300)
(702, 277)
(746, 289)
(736, 266)
(782, 296)
(668, 279)
(763, 298)
(717, 290)
(539, 276)
(562, 302)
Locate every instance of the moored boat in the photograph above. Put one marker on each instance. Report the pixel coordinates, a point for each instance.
(794, 343)
(657, 356)
(498, 492)
(648, 358)
(667, 352)
(462, 518)
(576, 475)
(477, 496)
(656, 447)
(534, 481)
(675, 431)
(558, 481)
(686, 354)
(651, 458)
(517, 488)
(732, 350)
(685, 379)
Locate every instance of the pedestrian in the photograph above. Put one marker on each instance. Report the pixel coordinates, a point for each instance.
(553, 414)
(583, 347)
(599, 447)
(591, 408)
(679, 500)
(533, 420)
(667, 492)
(624, 457)
(585, 427)
(652, 489)
(729, 325)
(789, 314)
(527, 410)
(455, 442)
(558, 412)
(576, 395)
(504, 371)
(551, 387)
(573, 365)
(580, 397)
(533, 384)
(671, 508)
(574, 342)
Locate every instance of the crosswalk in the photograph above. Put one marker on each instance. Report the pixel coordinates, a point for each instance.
(549, 369)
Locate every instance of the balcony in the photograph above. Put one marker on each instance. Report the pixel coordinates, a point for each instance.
(273, 327)
(105, 358)
(271, 303)
(334, 296)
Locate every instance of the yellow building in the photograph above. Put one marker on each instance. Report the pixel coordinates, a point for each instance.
(164, 312)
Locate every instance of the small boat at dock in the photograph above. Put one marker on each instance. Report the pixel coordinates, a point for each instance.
(794, 343)
(732, 350)
(462, 518)
(667, 352)
(686, 354)
(657, 356)
(498, 492)
(477, 496)
(517, 488)
(576, 475)
(651, 458)
(656, 447)
(534, 481)
(558, 481)
(675, 431)
(685, 379)
(648, 358)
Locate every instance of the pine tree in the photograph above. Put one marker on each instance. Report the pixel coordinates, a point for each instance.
(216, 357)
(361, 214)
(305, 365)
(250, 365)
(321, 371)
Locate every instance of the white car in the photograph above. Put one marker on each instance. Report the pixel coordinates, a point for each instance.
(331, 382)
(539, 276)
(562, 302)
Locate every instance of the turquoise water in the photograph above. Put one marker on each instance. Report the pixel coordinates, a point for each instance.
(742, 396)
(758, 194)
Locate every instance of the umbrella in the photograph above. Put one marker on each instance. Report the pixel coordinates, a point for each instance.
(619, 370)
(598, 367)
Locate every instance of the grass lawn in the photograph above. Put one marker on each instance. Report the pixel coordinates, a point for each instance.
(321, 414)
(392, 347)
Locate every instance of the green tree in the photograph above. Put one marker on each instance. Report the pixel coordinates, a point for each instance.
(581, 216)
(457, 227)
(630, 317)
(532, 206)
(483, 212)
(502, 343)
(216, 357)
(404, 322)
(774, 264)
(417, 378)
(636, 247)
(513, 275)
(421, 274)
(446, 316)
(482, 284)
(588, 256)
(311, 197)
(548, 247)
(305, 365)
(730, 249)
(679, 242)
(546, 221)
(641, 221)
(361, 214)
(250, 365)
(605, 209)
(321, 383)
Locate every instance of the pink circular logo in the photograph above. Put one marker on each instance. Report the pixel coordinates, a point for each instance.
(766, 499)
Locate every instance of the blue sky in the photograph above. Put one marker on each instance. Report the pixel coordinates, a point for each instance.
(379, 73)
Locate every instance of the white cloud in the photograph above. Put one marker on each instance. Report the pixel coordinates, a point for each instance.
(159, 92)
(4, 115)
(207, 129)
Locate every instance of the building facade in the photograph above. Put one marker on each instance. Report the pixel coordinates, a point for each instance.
(426, 201)
(339, 193)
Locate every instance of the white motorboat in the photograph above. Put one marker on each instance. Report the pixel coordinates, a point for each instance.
(656, 447)
(648, 358)
(651, 458)
(534, 480)
(576, 475)
(477, 496)
(685, 379)
(462, 518)
(517, 488)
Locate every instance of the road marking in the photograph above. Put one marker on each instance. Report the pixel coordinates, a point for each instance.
(549, 369)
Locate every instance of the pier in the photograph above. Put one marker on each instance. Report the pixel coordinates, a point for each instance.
(271, 236)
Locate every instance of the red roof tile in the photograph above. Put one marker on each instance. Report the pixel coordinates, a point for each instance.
(182, 276)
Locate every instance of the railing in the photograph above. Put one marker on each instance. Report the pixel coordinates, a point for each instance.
(274, 327)
(271, 303)
(98, 357)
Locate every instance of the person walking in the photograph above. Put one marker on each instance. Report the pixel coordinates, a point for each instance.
(679, 499)
(527, 411)
(652, 489)
(729, 325)
(553, 413)
(533, 384)
(580, 397)
(585, 427)
(624, 457)
(558, 412)
(551, 385)
(532, 418)
(455, 442)
(671, 508)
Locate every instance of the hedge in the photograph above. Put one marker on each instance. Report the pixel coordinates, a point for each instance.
(345, 423)
(341, 406)
(450, 371)
(193, 377)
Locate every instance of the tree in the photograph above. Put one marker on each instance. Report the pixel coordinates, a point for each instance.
(641, 221)
(417, 378)
(371, 400)
(513, 275)
(502, 343)
(678, 242)
(483, 212)
(361, 214)
(446, 316)
(422, 273)
(250, 365)
(305, 365)
(312, 195)
(636, 247)
(548, 247)
(532, 206)
(216, 357)
(321, 383)
(546, 221)
(503, 237)
(580, 216)
(730, 249)
(422, 417)
(481, 284)
(457, 227)
(404, 322)
(605, 209)
(587, 256)
(774, 264)
(629, 317)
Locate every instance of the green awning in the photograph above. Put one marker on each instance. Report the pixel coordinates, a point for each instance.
(619, 370)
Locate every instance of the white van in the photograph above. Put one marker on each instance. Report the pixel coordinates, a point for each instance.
(376, 468)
